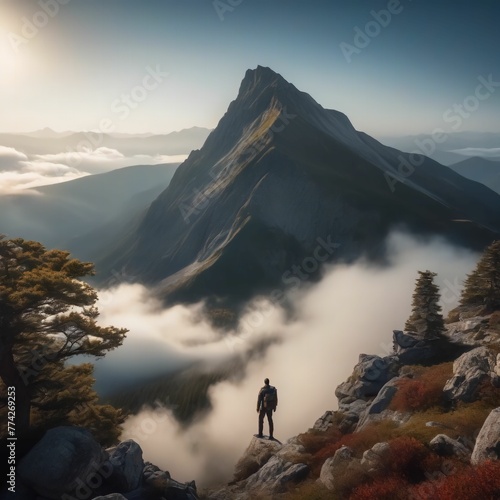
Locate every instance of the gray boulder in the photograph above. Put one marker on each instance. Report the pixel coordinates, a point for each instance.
(373, 459)
(275, 475)
(334, 466)
(446, 446)
(381, 402)
(257, 454)
(128, 466)
(369, 376)
(487, 445)
(469, 370)
(412, 348)
(67, 460)
(473, 331)
(291, 450)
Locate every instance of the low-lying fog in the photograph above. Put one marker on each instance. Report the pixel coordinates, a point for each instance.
(352, 310)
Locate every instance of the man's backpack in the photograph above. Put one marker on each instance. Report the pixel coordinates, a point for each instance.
(270, 398)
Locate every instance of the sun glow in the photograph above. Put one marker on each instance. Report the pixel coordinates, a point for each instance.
(12, 60)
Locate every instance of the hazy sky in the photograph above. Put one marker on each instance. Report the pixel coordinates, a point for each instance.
(74, 66)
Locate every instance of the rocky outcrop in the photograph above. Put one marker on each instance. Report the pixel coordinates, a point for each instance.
(355, 394)
(469, 370)
(379, 406)
(272, 470)
(334, 466)
(275, 475)
(257, 454)
(487, 445)
(67, 461)
(369, 376)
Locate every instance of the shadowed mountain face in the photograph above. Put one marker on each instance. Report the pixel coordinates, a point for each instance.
(282, 179)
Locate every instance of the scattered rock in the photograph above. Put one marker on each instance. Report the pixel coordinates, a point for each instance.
(373, 459)
(335, 465)
(446, 446)
(469, 370)
(67, 460)
(128, 466)
(487, 445)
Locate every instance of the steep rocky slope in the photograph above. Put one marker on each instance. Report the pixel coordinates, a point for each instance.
(415, 423)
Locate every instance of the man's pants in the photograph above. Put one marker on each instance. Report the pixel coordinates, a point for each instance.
(269, 414)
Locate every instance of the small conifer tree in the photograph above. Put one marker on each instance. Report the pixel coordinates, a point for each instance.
(426, 319)
(482, 286)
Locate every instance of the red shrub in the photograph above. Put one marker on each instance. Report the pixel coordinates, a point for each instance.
(473, 483)
(424, 391)
(415, 395)
(407, 458)
(389, 488)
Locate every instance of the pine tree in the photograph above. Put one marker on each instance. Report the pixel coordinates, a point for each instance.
(426, 319)
(482, 286)
(47, 316)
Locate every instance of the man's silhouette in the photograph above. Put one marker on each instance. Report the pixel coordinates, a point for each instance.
(266, 404)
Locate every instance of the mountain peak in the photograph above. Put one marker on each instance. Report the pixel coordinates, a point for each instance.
(261, 78)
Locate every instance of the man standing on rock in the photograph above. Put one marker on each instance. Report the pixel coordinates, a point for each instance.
(266, 404)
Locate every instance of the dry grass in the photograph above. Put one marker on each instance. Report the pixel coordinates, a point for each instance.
(464, 421)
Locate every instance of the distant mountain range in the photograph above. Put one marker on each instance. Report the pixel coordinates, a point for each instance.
(47, 141)
(449, 148)
(86, 214)
(483, 170)
(282, 184)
